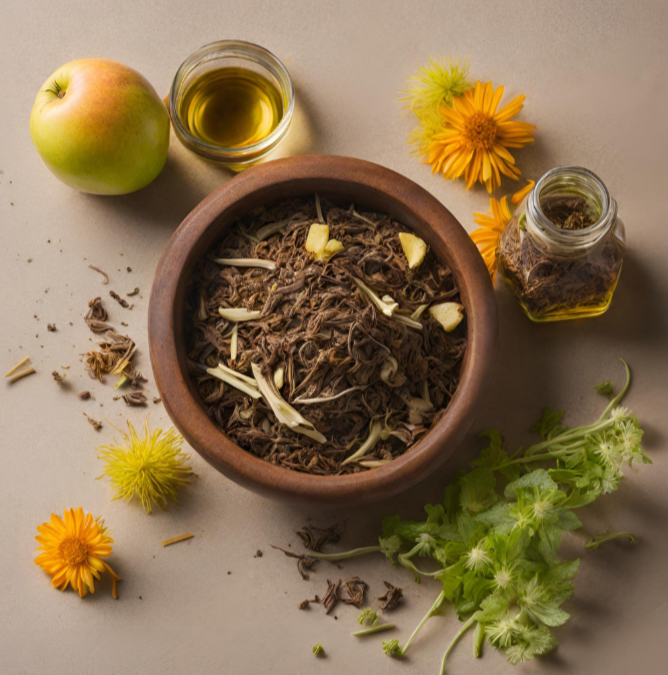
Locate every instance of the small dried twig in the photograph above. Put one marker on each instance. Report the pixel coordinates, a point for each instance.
(131, 293)
(391, 599)
(85, 395)
(57, 376)
(105, 280)
(315, 542)
(51, 327)
(95, 424)
(304, 562)
(176, 540)
(121, 301)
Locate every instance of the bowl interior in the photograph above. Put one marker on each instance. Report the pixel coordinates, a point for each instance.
(397, 197)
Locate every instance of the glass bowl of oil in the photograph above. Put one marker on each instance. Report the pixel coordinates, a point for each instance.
(231, 102)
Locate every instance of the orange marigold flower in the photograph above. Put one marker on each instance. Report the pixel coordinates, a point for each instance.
(73, 548)
(476, 136)
(521, 194)
(488, 235)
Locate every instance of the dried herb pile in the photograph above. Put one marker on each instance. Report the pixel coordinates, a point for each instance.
(354, 373)
(546, 282)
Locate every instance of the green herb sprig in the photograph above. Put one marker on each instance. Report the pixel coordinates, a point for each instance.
(497, 533)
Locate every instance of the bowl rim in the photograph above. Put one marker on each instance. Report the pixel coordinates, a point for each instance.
(206, 221)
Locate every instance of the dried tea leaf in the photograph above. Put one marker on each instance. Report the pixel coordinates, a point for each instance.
(93, 422)
(57, 376)
(392, 597)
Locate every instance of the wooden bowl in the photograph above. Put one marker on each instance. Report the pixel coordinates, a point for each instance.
(344, 180)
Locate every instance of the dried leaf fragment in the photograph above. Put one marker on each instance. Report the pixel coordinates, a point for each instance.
(391, 599)
(131, 293)
(85, 395)
(57, 376)
(51, 327)
(135, 398)
(93, 422)
(315, 542)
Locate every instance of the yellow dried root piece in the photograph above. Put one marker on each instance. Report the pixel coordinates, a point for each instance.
(318, 236)
(414, 248)
(21, 369)
(448, 314)
(176, 540)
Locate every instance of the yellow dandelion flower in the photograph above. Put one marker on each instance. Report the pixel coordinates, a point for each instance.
(73, 548)
(521, 194)
(488, 235)
(476, 137)
(435, 85)
(152, 467)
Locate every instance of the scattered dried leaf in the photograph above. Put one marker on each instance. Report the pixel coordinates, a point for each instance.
(391, 599)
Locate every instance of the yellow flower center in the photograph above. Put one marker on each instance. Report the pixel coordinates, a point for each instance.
(480, 130)
(73, 551)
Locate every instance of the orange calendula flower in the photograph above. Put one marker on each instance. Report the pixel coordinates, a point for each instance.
(476, 136)
(73, 548)
(521, 194)
(488, 235)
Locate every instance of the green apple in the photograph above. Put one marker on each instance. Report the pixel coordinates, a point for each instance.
(100, 127)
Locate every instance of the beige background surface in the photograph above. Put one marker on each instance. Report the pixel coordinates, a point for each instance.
(594, 74)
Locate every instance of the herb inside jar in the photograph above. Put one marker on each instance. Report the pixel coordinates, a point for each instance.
(312, 342)
(561, 253)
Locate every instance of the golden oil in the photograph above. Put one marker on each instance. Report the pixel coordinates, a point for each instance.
(231, 107)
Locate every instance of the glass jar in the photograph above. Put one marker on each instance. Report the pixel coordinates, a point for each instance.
(563, 267)
(233, 54)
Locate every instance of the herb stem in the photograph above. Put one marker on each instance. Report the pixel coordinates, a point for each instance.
(433, 610)
(373, 629)
(618, 399)
(570, 435)
(333, 557)
(461, 632)
(595, 542)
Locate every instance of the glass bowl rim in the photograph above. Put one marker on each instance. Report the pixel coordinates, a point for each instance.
(248, 50)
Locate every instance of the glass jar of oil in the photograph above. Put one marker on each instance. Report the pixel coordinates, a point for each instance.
(231, 102)
(561, 253)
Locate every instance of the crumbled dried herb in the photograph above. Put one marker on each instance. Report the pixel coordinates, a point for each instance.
(545, 282)
(331, 341)
(156, 399)
(121, 301)
(392, 597)
(569, 213)
(57, 376)
(349, 592)
(114, 355)
(258, 554)
(84, 395)
(131, 293)
(51, 327)
(96, 317)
